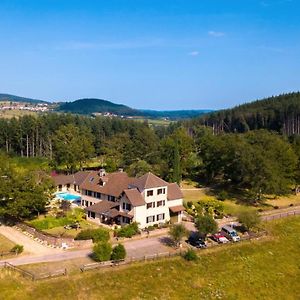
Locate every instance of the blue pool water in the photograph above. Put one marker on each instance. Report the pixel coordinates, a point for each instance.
(68, 196)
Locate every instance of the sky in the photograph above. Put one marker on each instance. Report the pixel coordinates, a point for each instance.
(150, 54)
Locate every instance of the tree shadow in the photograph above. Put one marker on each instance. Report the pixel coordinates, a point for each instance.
(167, 241)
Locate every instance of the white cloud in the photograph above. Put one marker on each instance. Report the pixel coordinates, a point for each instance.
(193, 53)
(216, 33)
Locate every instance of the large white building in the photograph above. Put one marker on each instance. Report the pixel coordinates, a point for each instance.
(116, 198)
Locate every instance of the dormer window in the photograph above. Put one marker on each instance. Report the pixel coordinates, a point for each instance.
(102, 172)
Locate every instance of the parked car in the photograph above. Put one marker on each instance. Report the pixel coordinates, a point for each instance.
(220, 238)
(230, 233)
(196, 241)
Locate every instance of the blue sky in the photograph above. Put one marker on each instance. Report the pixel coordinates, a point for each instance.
(154, 54)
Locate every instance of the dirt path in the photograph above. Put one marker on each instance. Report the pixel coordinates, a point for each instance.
(30, 246)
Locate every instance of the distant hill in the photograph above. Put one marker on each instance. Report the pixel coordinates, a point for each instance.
(13, 98)
(279, 113)
(90, 105)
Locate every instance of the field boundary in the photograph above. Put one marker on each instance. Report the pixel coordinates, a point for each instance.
(34, 276)
(130, 260)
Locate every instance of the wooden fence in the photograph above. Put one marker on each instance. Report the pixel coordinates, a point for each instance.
(129, 260)
(34, 276)
(280, 215)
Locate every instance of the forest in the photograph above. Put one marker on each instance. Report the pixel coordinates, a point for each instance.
(257, 162)
(278, 113)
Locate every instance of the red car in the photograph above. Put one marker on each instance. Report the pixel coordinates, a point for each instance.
(220, 238)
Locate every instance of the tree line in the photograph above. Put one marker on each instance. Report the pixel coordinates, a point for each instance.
(256, 162)
(278, 113)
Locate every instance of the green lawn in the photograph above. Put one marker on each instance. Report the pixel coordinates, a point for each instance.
(260, 269)
(61, 231)
(233, 205)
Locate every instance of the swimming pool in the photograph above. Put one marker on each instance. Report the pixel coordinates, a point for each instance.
(67, 196)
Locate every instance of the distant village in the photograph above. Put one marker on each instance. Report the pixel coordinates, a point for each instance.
(36, 107)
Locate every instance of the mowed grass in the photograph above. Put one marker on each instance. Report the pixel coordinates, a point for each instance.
(5, 244)
(233, 206)
(268, 268)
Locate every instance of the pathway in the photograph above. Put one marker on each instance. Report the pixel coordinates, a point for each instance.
(134, 248)
(30, 246)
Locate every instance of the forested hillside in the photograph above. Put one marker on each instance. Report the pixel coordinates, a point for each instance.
(278, 113)
(13, 98)
(90, 106)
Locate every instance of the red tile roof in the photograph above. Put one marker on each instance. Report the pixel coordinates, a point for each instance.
(174, 192)
(76, 178)
(134, 197)
(177, 208)
(114, 183)
(149, 181)
(102, 207)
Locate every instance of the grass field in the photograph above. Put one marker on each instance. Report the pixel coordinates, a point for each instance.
(259, 269)
(8, 114)
(232, 206)
(5, 244)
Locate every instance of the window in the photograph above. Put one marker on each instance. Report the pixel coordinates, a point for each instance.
(126, 220)
(150, 219)
(126, 206)
(150, 205)
(82, 202)
(161, 191)
(86, 203)
(91, 203)
(111, 198)
(98, 195)
(93, 215)
(149, 193)
(89, 193)
(160, 217)
(161, 203)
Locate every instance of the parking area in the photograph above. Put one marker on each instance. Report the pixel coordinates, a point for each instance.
(147, 246)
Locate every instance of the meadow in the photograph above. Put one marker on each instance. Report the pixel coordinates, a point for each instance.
(267, 268)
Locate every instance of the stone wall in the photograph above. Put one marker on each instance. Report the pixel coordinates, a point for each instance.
(53, 241)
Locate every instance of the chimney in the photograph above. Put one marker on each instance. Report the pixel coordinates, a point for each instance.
(102, 172)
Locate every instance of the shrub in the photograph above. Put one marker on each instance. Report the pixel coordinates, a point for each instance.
(206, 224)
(189, 204)
(249, 219)
(190, 255)
(17, 249)
(128, 231)
(118, 252)
(97, 235)
(177, 232)
(150, 228)
(222, 196)
(102, 251)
